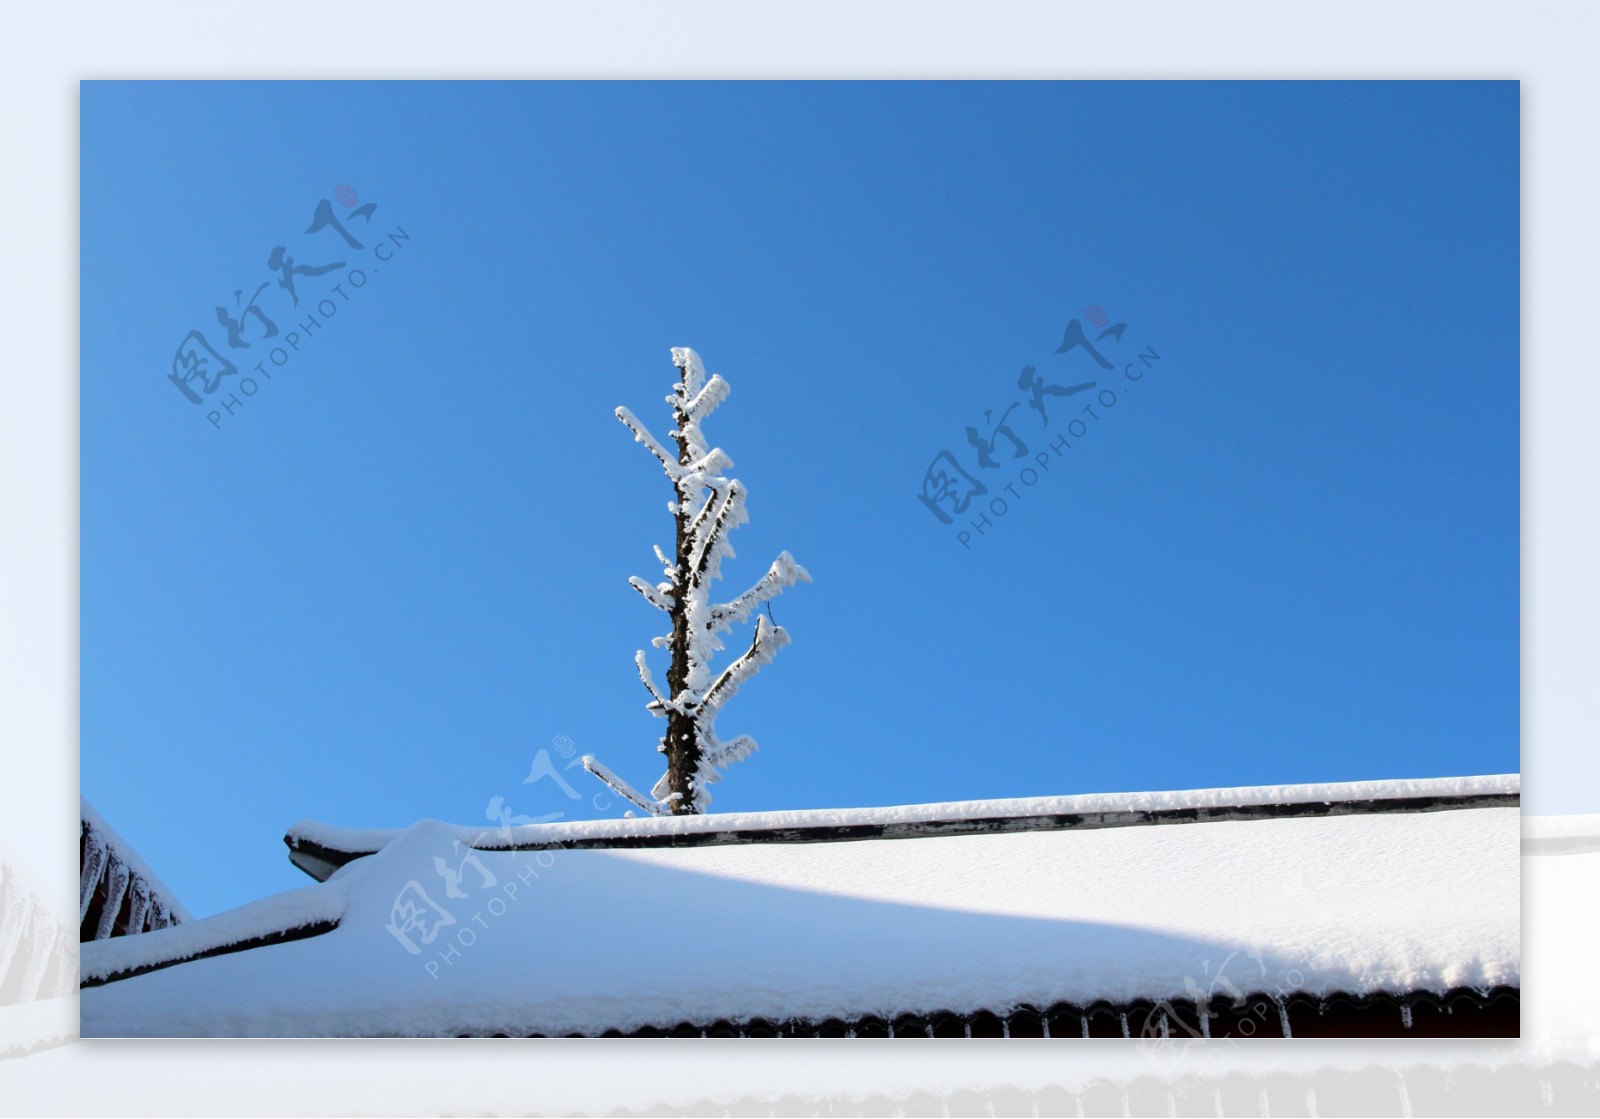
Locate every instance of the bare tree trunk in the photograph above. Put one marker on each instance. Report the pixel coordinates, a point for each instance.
(682, 739)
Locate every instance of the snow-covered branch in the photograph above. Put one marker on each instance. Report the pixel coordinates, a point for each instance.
(711, 463)
(717, 494)
(707, 536)
(707, 506)
(783, 573)
(658, 702)
(724, 754)
(707, 399)
(659, 597)
(641, 434)
(763, 647)
(624, 790)
(694, 373)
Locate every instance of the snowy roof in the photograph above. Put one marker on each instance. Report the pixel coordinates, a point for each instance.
(118, 893)
(429, 937)
(320, 849)
(38, 962)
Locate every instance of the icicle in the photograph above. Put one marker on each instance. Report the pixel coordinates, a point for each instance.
(1205, 1018)
(1083, 1020)
(1283, 1018)
(1216, 1098)
(1405, 1096)
(1311, 1101)
(1547, 1096)
(967, 1029)
(16, 909)
(1266, 1110)
(1172, 1106)
(45, 931)
(1005, 1026)
(1124, 1016)
(66, 977)
(1405, 1013)
(139, 907)
(116, 890)
(1166, 1029)
(1044, 1020)
(93, 867)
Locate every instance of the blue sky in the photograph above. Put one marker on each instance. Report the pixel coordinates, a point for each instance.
(372, 593)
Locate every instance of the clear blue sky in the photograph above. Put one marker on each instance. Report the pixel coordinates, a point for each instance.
(1288, 553)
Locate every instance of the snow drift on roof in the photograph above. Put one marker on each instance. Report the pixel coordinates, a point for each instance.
(433, 938)
(364, 840)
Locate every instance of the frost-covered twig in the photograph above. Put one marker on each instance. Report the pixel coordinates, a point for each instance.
(641, 434)
(707, 399)
(659, 702)
(722, 490)
(712, 463)
(655, 596)
(708, 533)
(619, 786)
(694, 372)
(724, 754)
(783, 573)
(766, 643)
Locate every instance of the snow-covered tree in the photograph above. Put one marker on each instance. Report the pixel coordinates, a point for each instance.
(706, 506)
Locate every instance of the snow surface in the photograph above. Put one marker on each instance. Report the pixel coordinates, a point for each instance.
(1560, 835)
(30, 1026)
(363, 840)
(586, 940)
